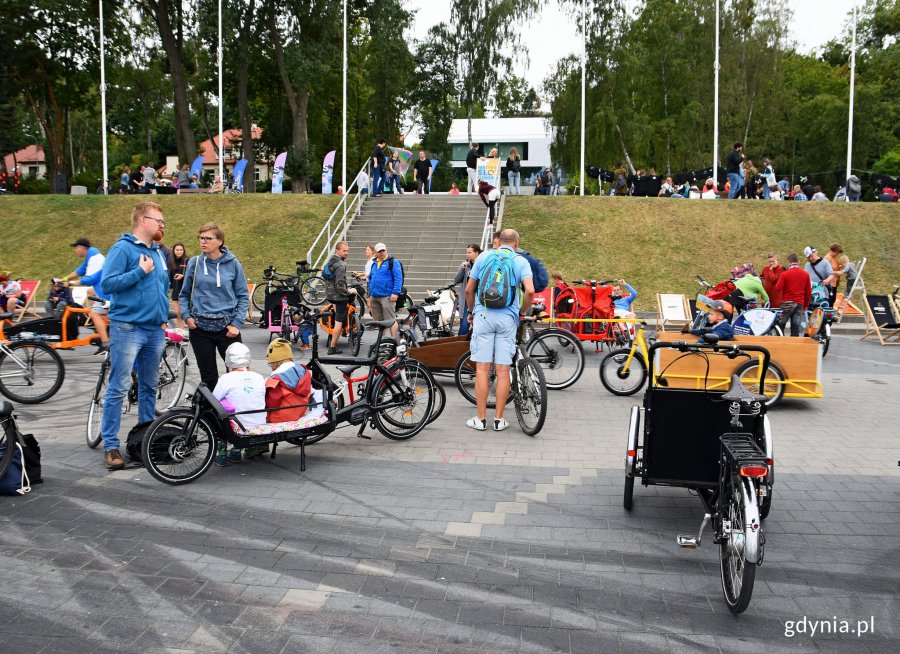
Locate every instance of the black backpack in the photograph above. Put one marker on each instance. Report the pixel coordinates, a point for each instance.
(391, 261)
(135, 440)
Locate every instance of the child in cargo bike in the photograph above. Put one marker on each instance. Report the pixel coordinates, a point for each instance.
(718, 322)
(240, 389)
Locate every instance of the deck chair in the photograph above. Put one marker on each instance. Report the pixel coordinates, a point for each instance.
(672, 308)
(880, 320)
(29, 288)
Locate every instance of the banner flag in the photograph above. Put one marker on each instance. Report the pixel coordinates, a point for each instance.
(278, 172)
(238, 174)
(405, 158)
(488, 170)
(327, 173)
(434, 163)
(197, 168)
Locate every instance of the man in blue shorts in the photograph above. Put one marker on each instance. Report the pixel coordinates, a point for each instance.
(494, 330)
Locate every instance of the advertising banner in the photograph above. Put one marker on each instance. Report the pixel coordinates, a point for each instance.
(197, 168)
(434, 163)
(405, 157)
(238, 174)
(489, 170)
(327, 173)
(278, 172)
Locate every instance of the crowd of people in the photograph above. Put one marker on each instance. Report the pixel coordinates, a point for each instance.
(147, 179)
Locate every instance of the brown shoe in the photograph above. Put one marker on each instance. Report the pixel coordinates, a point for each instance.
(113, 460)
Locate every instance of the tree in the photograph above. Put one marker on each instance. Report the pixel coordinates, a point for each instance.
(515, 97)
(435, 89)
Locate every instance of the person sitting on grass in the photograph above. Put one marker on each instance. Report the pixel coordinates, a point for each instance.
(290, 385)
(718, 322)
(240, 389)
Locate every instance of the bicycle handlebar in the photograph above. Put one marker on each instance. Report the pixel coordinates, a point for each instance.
(729, 349)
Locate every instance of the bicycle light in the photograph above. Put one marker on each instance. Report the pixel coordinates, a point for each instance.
(755, 471)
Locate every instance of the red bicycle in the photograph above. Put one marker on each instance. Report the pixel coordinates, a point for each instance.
(587, 300)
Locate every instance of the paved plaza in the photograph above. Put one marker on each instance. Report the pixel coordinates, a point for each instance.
(456, 541)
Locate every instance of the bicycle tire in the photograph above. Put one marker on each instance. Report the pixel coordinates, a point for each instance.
(551, 349)
(737, 572)
(40, 360)
(628, 495)
(825, 339)
(173, 456)
(172, 372)
(749, 375)
(258, 297)
(312, 290)
(404, 421)
(615, 379)
(440, 401)
(95, 413)
(530, 395)
(354, 333)
(464, 376)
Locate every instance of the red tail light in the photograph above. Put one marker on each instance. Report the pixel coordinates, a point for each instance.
(754, 471)
(632, 452)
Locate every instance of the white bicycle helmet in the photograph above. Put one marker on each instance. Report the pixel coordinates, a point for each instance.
(237, 356)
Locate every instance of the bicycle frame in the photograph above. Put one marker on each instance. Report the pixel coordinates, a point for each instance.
(65, 339)
(638, 345)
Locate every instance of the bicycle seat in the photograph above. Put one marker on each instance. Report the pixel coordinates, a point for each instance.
(737, 392)
(6, 408)
(381, 324)
(348, 370)
(431, 299)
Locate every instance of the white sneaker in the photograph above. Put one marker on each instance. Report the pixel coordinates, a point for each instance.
(477, 424)
(500, 424)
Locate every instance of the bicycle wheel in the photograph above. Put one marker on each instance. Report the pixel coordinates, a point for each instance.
(313, 290)
(530, 396)
(258, 297)
(825, 338)
(416, 394)
(354, 333)
(464, 376)
(95, 413)
(30, 372)
(738, 573)
(440, 401)
(560, 356)
(174, 456)
(172, 371)
(773, 388)
(616, 379)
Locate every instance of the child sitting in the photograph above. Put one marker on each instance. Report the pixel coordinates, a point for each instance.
(238, 390)
(718, 322)
(60, 297)
(289, 386)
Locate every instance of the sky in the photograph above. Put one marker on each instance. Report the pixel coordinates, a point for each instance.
(552, 35)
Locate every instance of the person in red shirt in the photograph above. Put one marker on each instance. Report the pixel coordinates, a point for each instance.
(770, 275)
(795, 289)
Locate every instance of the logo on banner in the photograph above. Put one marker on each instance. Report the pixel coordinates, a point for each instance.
(489, 170)
(278, 172)
(327, 173)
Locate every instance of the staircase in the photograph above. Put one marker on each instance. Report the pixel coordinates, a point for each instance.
(427, 233)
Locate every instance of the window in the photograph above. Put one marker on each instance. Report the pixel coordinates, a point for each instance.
(256, 173)
(460, 150)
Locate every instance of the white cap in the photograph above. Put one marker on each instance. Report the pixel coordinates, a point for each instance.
(808, 250)
(237, 356)
(380, 246)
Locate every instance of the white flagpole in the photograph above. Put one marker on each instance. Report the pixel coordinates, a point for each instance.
(715, 174)
(583, 67)
(221, 126)
(344, 116)
(852, 85)
(105, 181)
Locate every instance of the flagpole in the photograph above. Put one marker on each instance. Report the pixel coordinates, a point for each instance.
(583, 67)
(221, 125)
(715, 174)
(105, 181)
(344, 116)
(852, 85)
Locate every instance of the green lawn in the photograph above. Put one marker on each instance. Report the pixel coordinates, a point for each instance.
(656, 244)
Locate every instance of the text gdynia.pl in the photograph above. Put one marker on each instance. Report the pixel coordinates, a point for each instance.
(812, 628)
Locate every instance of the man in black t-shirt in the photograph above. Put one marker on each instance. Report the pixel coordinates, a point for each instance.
(422, 174)
(378, 161)
(137, 181)
(471, 166)
(735, 175)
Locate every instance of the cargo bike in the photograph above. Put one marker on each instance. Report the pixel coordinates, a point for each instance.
(717, 445)
(398, 400)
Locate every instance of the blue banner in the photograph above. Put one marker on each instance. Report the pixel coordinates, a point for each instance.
(197, 168)
(238, 174)
(434, 163)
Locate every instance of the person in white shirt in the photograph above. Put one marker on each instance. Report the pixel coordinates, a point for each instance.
(240, 389)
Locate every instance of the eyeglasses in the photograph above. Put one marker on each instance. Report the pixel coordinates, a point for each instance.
(207, 239)
(160, 221)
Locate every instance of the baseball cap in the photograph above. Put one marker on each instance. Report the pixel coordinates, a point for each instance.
(808, 250)
(237, 356)
(724, 307)
(279, 350)
(82, 241)
(380, 246)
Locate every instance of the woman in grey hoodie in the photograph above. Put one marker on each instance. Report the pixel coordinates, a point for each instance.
(214, 301)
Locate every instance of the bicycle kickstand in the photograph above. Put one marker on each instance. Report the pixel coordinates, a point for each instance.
(362, 428)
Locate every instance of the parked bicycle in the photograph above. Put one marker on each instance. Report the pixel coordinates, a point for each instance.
(30, 370)
(435, 317)
(749, 318)
(585, 308)
(528, 387)
(172, 373)
(310, 287)
(624, 371)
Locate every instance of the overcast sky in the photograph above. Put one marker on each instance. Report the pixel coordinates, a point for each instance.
(552, 35)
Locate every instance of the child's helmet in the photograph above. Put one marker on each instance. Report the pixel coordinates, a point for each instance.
(237, 356)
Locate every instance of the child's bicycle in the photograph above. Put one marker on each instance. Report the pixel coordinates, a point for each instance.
(624, 371)
(172, 371)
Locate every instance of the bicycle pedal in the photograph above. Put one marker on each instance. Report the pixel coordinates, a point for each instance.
(688, 542)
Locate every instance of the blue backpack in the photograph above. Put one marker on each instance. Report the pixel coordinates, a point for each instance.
(497, 287)
(539, 275)
(327, 273)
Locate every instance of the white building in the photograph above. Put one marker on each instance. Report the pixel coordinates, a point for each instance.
(530, 136)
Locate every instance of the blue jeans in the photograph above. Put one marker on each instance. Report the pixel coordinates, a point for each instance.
(376, 182)
(130, 347)
(514, 180)
(736, 183)
(464, 322)
(767, 194)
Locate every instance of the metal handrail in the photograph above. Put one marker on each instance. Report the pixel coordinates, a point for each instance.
(338, 231)
(487, 233)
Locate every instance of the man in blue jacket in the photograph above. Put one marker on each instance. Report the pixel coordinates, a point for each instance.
(135, 276)
(91, 273)
(385, 283)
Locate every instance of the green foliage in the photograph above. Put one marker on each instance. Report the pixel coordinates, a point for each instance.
(889, 163)
(301, 164)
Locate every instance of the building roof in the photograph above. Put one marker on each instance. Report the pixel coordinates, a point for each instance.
(232, 136)
(33, 154)
(499, 129)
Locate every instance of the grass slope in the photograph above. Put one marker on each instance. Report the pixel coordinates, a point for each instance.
(660, 244)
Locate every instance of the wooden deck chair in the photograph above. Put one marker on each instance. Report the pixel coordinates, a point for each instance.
(29, 288)
(880, 320)
(672, 308)
(250, 289)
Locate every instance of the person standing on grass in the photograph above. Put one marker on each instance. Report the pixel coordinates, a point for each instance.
(422, 174)
(214, 300)
(136, 278)
(494, 328)
(795, 290)
(734, 170)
